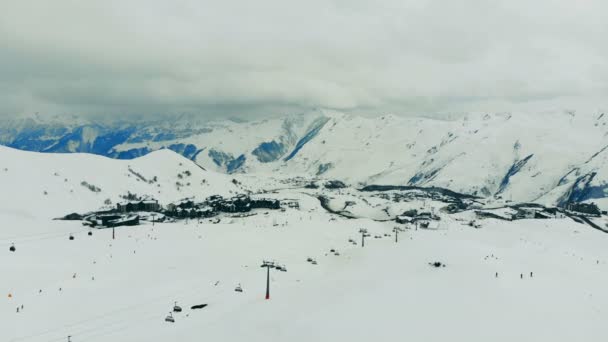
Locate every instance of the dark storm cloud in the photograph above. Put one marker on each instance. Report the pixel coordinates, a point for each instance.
(263, 57)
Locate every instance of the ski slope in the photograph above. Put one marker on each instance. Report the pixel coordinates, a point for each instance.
(385, 290)
(51, 185)
(95, 288)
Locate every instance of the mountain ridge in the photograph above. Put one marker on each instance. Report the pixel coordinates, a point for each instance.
(510, 156)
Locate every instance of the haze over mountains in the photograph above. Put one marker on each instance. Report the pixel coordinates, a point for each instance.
(551, 158)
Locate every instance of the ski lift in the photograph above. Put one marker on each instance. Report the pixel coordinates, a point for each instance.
(71, 237)
(238, 288)
(170, 318)
(177, 308)
(12, 248)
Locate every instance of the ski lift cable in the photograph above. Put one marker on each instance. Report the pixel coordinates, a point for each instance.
(33, 238)
(126, 325)
(9, 238)
(98, 331)
(137, 306)
(36, 235)
(94, 327)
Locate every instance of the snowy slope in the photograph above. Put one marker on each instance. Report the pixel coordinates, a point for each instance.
(472, 155)
(121, 290)
(53, 185)
(527, 280)
(516, 156)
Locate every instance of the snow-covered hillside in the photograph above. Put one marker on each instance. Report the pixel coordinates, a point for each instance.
(552, 157)
(121, 290)
(53, 185)
(537, 280)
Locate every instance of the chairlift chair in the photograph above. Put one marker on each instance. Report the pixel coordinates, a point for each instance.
(170, 318)
(238, 288)
(12, 248)
(177, 308)
(71, 237)
(90, 233)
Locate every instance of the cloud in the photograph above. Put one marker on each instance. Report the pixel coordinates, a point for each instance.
(256, 58)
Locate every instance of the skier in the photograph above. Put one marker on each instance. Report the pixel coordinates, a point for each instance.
(521, 276)
(496, 274)
(531, 274)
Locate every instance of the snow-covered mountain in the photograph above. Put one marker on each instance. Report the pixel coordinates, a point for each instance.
(52, 185)
(552, 157)
(478, 278)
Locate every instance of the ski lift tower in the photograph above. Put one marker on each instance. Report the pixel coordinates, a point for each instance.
(397, 230)
(269, 265)
(364, 234)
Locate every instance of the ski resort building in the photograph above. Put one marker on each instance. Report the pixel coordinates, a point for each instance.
(584, 208)
(216, 204)
(143, 205)
(184, 204)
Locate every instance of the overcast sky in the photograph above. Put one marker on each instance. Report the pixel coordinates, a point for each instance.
(243, 58)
